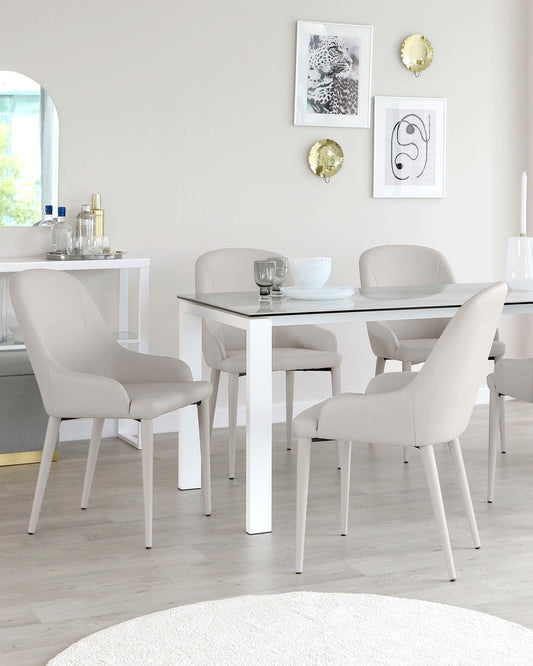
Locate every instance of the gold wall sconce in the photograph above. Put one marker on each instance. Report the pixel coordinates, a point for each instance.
(416, 53)
(325, 158)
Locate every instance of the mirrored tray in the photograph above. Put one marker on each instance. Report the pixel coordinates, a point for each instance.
(63, 256)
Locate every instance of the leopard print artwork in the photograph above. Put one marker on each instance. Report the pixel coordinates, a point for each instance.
(330, 89)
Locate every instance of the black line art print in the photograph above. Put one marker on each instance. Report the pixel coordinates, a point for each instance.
(410, 138)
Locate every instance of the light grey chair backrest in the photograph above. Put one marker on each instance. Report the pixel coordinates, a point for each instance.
(445, 389)
(406, 265)
(62, 328)
(226, 270)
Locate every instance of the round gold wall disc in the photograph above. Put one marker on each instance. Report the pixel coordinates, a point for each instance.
(416, 53)
(326, 158)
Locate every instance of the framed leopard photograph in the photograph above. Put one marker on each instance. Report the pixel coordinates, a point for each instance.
(333, 74)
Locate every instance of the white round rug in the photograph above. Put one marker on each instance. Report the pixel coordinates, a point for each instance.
(307, 628)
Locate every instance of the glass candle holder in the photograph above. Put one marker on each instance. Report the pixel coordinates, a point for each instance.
(282, 267)
(519, 268)
(264, 274)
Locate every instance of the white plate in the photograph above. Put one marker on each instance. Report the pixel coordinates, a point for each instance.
(323, 294)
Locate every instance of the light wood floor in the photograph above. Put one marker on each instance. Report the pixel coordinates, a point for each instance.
(86, 570)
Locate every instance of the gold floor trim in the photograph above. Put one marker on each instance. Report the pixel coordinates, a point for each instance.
(22, 458)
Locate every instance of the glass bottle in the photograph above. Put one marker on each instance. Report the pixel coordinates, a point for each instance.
(61, 213)
(62, 236)
(84, 240)
(48, 219)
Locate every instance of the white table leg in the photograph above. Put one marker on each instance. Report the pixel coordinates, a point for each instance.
(259, 427)
(190, 351)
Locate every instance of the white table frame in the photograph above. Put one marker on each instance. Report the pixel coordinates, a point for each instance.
(258, 330)
(128, 430)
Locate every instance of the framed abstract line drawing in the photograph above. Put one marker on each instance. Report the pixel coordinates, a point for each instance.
(333, 74)
(409, 147)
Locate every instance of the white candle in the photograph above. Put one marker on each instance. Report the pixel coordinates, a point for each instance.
(523, 206)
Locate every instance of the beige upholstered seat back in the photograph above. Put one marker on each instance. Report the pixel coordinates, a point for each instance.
(406, 265)
(61, 326)
(445, 389)
(226, 270)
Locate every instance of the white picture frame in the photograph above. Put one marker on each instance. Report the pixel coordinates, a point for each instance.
(333, 74)
(409, 147)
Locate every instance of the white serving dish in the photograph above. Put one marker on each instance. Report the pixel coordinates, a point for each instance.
(312, 272)
(322, 294)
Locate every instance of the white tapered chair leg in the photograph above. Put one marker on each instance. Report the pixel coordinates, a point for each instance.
(432, 478)
(336, 389)
(494, 428)
(289, 405)
(302, 489)
(233, 395)
(205, 448)
(147, 434)
(94, 446)
(346, 464)
(503, 437)
(406, 367)
(460, 472)
(49, 446)
(380, 365)
(215, 380)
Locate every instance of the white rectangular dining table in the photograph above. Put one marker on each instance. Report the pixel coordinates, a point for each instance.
(243, 310)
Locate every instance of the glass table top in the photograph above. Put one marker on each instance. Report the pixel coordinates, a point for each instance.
(365, 299)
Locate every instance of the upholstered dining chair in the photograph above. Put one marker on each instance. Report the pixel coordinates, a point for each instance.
(294, 347)
(409, 341)
(415, 409)
(83, 372)
(512, 377)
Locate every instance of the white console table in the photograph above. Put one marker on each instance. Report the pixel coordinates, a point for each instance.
(123, 266)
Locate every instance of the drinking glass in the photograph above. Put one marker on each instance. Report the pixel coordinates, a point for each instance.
(282, 267)
(264, 274)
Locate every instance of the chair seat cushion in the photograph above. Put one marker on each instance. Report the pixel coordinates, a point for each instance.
(285, 358)
(356, 417)
(417, 350)
(148, 400)
(514, 377)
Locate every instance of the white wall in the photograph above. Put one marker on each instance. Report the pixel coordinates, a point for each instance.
(181, 115)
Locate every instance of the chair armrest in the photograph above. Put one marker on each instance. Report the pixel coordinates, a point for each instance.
(383, 340)
(389, 381)
(83, 395)
(385, 418)
(137, 367)
(305, 337)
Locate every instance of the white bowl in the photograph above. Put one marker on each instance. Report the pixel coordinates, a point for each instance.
(312, 272)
